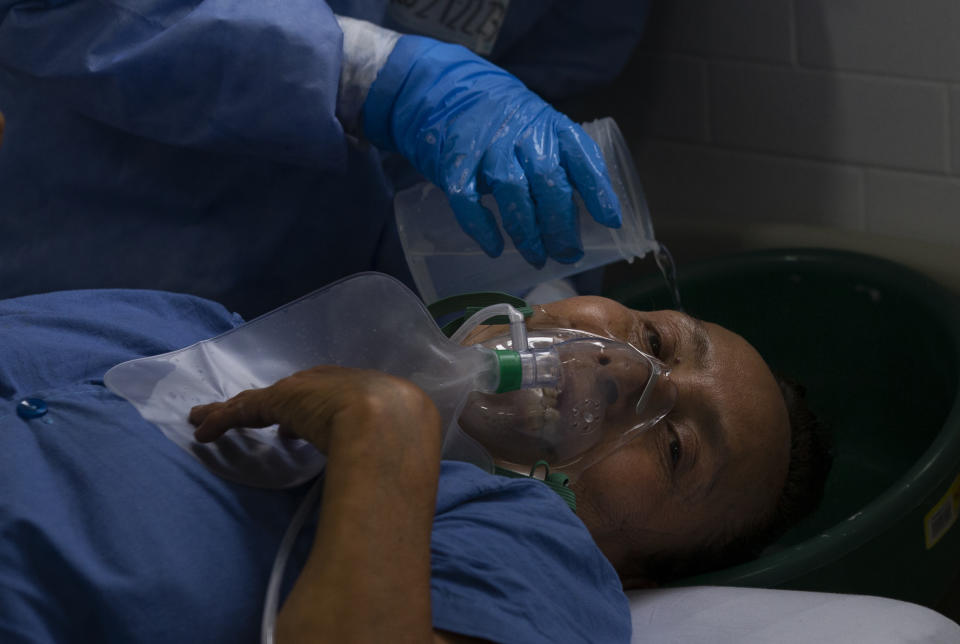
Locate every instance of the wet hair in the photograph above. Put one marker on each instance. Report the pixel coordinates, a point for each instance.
(810, 461)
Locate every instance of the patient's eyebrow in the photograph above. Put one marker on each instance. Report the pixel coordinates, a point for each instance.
(701, 343)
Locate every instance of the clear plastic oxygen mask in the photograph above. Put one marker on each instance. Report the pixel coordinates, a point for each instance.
(603, 393)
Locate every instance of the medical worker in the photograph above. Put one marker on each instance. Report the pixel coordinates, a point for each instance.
(223, 148)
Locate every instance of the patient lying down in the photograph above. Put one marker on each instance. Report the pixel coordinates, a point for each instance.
(737, 461)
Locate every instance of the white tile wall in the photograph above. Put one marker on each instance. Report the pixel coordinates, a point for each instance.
(748, 29)
(676, 106)
(844, 113)
(692, 181)
(954, 126)
(910, 38)
(829, 116)
(666, 95)
(914, 206)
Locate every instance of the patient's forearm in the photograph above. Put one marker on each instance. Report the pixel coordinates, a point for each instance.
(368, 574)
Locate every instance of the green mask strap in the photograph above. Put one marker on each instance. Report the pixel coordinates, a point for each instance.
(556, 481)
(470, 303)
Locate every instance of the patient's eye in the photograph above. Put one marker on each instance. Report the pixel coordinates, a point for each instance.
(674, 444)
(675, 451)
(653, 340)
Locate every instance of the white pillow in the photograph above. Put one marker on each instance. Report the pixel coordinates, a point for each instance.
(727, 615)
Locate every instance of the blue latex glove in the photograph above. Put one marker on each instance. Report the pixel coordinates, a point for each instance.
(472, 128)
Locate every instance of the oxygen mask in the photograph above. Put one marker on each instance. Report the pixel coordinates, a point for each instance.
(606, 392)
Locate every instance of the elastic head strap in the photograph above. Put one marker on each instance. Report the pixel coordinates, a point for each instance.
(556, 481)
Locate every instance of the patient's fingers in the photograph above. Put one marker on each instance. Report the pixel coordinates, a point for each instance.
(301, 404)
(310, 403)
(246, 409)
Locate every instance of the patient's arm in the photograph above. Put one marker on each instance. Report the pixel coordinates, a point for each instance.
(368, 575)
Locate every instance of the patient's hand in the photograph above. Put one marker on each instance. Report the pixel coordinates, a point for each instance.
(311, 404)
(382, 436)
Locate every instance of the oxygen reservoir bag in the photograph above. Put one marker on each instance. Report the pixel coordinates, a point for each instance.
(368, 321)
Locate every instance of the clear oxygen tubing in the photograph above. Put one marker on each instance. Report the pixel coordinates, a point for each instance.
(518, 335)
(269, 621)
(518, 329)
(540, 366)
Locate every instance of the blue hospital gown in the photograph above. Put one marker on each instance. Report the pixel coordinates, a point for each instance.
(111, 533)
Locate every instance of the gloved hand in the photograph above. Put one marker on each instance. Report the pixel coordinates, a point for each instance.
(473, 128)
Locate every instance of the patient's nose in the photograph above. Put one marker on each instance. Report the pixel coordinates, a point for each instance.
(610, 374)
(621, 374)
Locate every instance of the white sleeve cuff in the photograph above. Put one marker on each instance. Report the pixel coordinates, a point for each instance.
(366, 48)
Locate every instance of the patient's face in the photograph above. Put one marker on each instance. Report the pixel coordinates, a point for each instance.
(718, 461)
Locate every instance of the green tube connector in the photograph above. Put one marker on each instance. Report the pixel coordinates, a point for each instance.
(511, 370)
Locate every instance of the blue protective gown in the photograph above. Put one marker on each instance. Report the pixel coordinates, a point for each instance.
(112, 533)
(192, 145)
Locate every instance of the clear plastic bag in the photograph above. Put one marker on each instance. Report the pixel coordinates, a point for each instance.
(445, 261)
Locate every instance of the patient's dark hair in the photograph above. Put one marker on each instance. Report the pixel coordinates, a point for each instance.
(810, 461)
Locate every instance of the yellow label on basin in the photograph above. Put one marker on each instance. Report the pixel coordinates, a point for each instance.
(943, 515)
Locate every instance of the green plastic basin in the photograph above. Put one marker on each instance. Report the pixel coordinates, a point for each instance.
(878, 347)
